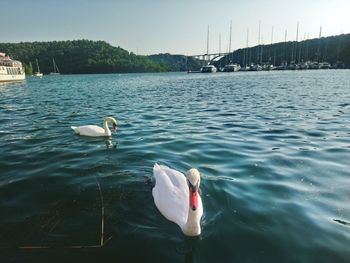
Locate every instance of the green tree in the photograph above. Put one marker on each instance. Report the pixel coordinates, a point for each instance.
(28, 68)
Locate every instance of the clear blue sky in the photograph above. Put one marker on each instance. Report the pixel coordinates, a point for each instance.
(174, 26)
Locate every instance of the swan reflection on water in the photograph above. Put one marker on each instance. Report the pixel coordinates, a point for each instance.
(189, 248)
(109, 143)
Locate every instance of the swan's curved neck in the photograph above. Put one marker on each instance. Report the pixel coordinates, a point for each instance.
(192, 226)
(105, 127)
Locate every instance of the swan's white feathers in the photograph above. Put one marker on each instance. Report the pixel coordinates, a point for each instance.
(171, 194)
(89, 130)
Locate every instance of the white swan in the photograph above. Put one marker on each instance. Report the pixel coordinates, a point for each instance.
(94, 130)
(177, 198)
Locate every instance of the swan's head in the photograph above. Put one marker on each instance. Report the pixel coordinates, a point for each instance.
(193, 180)
(113, 121)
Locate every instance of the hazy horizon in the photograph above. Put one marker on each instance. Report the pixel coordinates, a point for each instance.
(171, 27)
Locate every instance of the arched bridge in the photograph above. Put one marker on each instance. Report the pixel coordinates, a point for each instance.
(209, 58)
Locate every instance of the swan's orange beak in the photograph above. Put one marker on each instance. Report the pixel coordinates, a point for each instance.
(193, 196)
(114, 126)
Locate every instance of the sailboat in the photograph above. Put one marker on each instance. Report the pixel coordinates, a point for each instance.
(55, 68)
(38, 73)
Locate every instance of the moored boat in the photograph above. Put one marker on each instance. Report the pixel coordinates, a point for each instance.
(293, 66)
(245, 68)
(314, 65)
(232, 67)
(283, 66)
(255, 67)
(268, 67)
(303, 65)
(38, 73)
(55, 68)
(324, 65)
(10, 70)
(208, 69)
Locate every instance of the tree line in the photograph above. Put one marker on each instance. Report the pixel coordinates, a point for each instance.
(86, 56)
(79, 57)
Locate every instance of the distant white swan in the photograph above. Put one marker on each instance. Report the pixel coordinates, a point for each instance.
(94, 130)
(177, 198)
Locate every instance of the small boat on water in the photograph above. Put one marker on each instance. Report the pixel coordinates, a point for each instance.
(255, 67)
(10, 70)
(283, 66)
(314, 65)
(38, 73)
(208, 69)
(324, 65)
(232, 67)
(269, 67)
(338, 65)
(55, 68)
(293, 66)
(245, 68)
(303, 65)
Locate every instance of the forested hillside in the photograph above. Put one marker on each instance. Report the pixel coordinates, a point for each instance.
(176, 62)
(79, 56)
(330, 49)
(86, 56)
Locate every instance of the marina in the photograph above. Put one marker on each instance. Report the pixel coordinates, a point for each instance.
(312, 65)
(296, 55)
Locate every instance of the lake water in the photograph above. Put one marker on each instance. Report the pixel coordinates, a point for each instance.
(273, 149)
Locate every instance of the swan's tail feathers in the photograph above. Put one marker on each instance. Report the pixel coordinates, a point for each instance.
(74, 129)
(156, 168)
(159, 168)
(156, 171)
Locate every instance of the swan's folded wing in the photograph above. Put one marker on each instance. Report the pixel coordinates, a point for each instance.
(74, 129)
(177, 178)
(171, 195)
(90, 130)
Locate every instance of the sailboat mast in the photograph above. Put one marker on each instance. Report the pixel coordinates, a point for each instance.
(57, 71)
(285, 45)
(261, 49)
(245, 54)
(247, 46)
(230, 41)
(249, 52)
(258, 48)
(271, 44)
(37, 65)
(319, 45)
(300, 48)
(208, 43)
(296, 42)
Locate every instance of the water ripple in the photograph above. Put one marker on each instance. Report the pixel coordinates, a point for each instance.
(272, 147)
